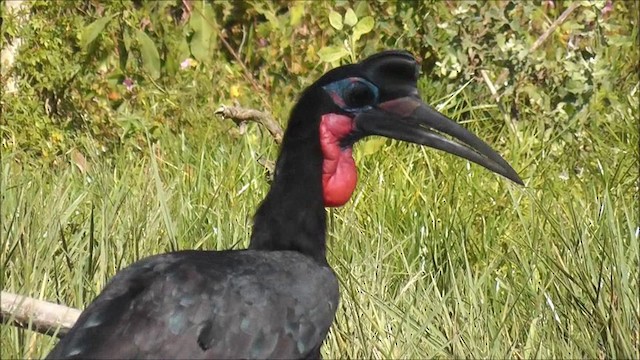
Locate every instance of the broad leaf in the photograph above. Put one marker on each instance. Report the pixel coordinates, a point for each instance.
(150, 55)
(296, 11)
(364, 26)
(91, 31)
(350, 18)
(332, 53)
(373, 145)
(201, 40)
(335, 19)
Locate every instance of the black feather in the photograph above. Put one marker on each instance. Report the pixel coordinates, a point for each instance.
(192, 304)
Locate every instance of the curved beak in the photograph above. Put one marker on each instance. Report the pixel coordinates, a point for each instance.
(409, 119)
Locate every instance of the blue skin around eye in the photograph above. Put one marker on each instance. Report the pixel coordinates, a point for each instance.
(337, 88)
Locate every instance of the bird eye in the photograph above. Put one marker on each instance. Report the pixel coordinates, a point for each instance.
(358, 95)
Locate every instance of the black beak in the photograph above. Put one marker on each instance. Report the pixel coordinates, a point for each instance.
(409, 119)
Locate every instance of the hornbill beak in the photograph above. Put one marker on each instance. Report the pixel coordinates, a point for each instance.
(409, 119)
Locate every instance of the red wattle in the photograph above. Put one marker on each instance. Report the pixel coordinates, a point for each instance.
(339, 175)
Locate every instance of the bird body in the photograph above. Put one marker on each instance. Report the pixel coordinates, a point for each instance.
(209, 304)
(277, 299)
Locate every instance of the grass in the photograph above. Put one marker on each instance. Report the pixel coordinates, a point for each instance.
(436, 258)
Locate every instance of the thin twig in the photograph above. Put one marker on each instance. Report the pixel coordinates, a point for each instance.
(37, 315)
(261, 91)
(561, 19)
(492, 87)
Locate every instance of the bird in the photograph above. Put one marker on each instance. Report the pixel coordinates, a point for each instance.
(278, 297)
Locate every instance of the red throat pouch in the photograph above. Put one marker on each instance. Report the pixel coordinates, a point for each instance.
(339, 175)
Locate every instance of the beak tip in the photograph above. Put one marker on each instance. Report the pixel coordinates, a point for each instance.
(513, 176)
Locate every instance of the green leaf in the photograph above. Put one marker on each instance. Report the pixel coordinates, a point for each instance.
(123, 52)
(297, 11)
(150, 55)
(91, 31)
(201, 40)
(364, 26)
(335, 20)
(332, 53)
(271, 16)
(373, 145)
(362, 7)
(350, 18)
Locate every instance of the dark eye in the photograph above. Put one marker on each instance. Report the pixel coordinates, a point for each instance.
(358, 95)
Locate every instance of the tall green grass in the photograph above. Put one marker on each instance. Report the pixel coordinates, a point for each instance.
(436, 257)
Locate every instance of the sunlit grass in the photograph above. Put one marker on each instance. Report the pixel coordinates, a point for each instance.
(436, 257)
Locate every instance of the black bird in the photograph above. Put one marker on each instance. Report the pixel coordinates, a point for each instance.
(278, 298)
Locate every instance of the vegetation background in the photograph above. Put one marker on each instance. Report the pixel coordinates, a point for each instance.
(111, 152)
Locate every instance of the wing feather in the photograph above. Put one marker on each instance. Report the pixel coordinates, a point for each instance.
(231, 304)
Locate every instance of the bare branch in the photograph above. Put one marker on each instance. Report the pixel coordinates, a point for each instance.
(561, 19)
(240, 115)
(37, 315)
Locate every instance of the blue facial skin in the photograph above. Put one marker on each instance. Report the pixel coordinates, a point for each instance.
(341, 90)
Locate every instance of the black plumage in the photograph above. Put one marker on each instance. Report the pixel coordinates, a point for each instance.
(208, 304)
(278, 298)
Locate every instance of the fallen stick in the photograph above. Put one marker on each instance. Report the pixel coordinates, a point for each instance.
(37, 315)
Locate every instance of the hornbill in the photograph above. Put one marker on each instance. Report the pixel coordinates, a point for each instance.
(278, 298)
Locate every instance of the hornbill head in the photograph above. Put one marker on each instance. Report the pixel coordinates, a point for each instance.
(379, 96)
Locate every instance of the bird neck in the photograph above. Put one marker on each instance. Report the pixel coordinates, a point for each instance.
(292, 216)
